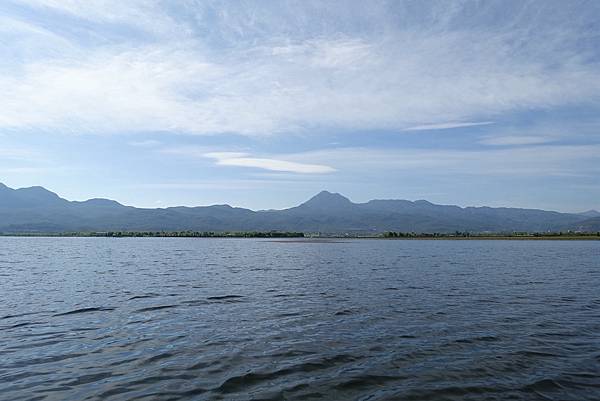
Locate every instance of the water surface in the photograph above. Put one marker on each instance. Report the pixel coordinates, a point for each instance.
(186, 319)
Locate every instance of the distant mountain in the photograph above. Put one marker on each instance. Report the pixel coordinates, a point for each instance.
(590, 213)
(28, 197)
(326, 202)
(36, 209)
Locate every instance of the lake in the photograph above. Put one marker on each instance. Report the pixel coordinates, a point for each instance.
(229, 319)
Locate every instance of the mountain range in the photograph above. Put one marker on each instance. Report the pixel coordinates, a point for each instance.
(37, 210)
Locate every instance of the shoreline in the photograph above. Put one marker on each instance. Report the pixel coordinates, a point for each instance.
(325, 239)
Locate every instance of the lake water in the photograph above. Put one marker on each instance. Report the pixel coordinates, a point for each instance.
(170, 319)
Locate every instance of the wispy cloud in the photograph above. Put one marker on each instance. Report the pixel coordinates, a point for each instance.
(256, 69)
(448, 125)
(145, 15)
(245, 160)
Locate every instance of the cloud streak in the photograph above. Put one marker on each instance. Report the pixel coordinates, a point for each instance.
(448, 125)
(244, 160)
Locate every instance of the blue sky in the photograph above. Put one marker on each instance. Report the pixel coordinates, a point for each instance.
(262, 104)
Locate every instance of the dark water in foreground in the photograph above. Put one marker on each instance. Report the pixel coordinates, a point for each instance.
(170, 319)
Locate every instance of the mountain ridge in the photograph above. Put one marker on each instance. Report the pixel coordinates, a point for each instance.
(590, 213)
(36, 209)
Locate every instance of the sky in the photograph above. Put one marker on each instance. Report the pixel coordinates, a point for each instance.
(262, 104)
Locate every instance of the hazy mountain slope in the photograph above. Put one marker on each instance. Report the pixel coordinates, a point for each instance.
(590, 213)
(39, 210)
(588, 225)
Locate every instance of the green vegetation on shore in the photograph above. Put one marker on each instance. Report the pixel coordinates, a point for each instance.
(182, 234)
(508, 236)
(277, 234)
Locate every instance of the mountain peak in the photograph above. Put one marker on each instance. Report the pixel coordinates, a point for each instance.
(99, 202)
(37, 192)
(330, 196)
(327, 200)
(29, 197)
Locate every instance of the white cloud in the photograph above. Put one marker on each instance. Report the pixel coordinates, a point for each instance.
(290, 163)
(142, 14)
(261, 70)
(448, 125)
(244, 160)
(129, 91)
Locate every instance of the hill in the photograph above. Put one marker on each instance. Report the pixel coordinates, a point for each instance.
(36, 209)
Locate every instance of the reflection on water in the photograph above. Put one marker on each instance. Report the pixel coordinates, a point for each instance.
(170, 319)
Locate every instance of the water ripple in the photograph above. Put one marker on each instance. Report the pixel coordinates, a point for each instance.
(227, 319)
